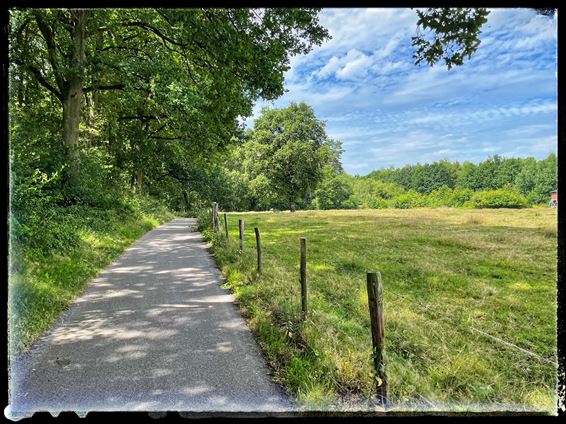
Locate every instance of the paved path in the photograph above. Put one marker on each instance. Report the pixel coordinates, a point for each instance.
(154, 332)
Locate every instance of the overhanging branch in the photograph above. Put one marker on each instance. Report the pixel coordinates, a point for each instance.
(40, 78)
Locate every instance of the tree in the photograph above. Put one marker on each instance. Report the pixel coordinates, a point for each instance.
(429, 177)
(508, 171)
(483, 176)
(222, 60)
(291, 149)
(372, 193)
(403, 176)
(332, 191)
(537, 179)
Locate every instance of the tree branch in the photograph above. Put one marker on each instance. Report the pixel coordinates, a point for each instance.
(154, 30)
(133, 49)
(47, 34)
(157, 131)
(156, 137)
(40, 78)
(140, 117)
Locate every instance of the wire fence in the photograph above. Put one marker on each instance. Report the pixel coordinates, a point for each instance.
(325, 325)
(439, 317)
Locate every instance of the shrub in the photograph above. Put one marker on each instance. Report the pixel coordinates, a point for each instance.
(204, 219)
(498, 199)
(410, 199)
(351, 202)
(445, 196)
(376, 203)
(439, 197)
(460, 196)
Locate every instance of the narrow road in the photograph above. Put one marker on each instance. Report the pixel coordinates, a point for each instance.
(153, 332)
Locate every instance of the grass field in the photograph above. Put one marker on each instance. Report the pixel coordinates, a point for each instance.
(469, 299)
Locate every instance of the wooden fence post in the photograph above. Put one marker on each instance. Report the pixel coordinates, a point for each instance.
(241, 226)
(375, 302)
(215, 220)
(226, 225)
(259, 251)
(303, 278)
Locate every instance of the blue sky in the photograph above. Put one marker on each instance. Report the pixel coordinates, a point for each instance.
(389, 112)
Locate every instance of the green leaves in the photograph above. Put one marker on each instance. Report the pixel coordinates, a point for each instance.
(163, 88)
(452, 35)
(291, 150)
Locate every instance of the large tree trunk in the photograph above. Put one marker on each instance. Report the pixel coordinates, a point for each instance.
(138, 175)
(186, 198)
(71, 119)
(72, 97)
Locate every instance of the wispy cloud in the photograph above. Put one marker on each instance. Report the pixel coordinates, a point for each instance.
(387, 111)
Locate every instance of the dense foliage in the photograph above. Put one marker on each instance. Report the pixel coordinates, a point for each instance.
(285, 158)
(493, 183)
(142, 98)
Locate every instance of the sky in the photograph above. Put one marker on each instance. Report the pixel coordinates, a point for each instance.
(387, 111)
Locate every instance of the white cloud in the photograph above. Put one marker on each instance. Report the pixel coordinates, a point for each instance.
(368, 29)
(356, 66)
(330, 68)
(389, 48)
(387, 111)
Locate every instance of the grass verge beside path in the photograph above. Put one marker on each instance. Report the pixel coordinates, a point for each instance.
(454, 281)
(44, 279)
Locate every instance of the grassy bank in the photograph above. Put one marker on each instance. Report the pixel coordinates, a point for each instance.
(50, 267)
(460, 286)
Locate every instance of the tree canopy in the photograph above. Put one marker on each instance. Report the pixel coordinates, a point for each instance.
(153, 85)
(291, 148)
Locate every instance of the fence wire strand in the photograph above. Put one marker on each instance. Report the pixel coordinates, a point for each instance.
(438, 316)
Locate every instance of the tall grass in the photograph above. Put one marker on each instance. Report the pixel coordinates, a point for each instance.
(450, 277)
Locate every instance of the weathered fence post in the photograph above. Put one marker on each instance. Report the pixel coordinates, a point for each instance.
(375, 302)
(215, 220)
(226, 225)
(303, 278)
(259, 251)
(241, 226)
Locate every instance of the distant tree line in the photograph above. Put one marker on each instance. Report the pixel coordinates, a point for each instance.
(529, 177)
(288, 161)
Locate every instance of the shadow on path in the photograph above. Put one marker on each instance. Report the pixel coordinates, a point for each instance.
(152, 332)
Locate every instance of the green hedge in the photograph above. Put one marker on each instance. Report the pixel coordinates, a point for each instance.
(498, 199)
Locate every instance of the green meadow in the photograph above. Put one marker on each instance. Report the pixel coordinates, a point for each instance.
(469, 301)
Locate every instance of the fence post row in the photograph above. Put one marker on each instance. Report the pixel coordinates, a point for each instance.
(259, 251)
(226, 224)
(241, 226)
(303, 278)
(375, 302)
(375, 299)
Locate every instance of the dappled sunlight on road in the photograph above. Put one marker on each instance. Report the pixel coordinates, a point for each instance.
(152, 331)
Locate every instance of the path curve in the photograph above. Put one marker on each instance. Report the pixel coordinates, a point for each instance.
(153, 332)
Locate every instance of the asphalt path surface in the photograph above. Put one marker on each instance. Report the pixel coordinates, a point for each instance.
(153, 332)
